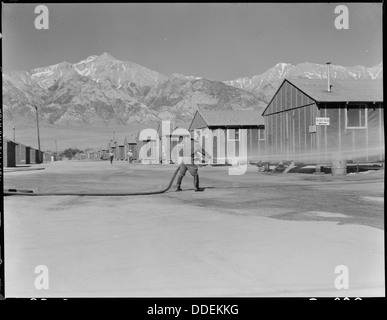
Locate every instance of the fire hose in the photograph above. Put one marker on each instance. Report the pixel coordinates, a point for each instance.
(23, 192)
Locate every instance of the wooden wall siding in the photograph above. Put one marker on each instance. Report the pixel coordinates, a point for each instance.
(354, 144)
(287, 97)
(9, 153)
(18, 153)
(252, 144)
(121, 153)
(32, 156)
(269, 135)
(22, 154)
(288, 137)
(38, 156)
(28, 155)
(255, 147)
(197, 122)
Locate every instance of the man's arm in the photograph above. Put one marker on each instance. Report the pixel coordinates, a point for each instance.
(206, 154)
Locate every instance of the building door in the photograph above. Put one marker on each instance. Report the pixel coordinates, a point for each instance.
(11, 154)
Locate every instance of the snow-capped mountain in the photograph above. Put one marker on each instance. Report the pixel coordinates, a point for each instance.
(103, 89)
(99, 69)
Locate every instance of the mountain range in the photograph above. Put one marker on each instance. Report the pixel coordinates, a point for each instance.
(105, 91)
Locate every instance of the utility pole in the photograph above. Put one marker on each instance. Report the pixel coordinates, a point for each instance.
(328, 77)
(37, 125)
(14, 133)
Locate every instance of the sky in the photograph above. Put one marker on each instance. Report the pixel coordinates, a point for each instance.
(211, 40)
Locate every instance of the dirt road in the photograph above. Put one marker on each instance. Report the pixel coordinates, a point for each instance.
(257, 234)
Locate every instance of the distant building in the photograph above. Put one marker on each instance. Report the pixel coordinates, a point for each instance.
(104, 154)
(15, 153)
(9, 153)
(47, 156)
(130, 144)
(304, 122)
(121, 152)
(228, 128)
(21, 154)
(33, 155)
(113, 147)
(81, 156)
(148, 147)
(169, 137)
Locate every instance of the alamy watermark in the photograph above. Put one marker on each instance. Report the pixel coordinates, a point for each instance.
(342, 20)
(41, 21)
(342, 280)
(230, 146)
(42, 280)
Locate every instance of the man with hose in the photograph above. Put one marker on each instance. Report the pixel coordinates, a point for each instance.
(191, 153)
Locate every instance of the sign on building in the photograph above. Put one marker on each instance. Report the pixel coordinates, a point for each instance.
(322, 121)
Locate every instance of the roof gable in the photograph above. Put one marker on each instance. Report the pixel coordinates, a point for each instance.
(287, 97)
(197, 122)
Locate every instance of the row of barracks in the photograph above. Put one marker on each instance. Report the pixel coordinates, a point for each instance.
(120, 150)
(305, 121)
(15, 153)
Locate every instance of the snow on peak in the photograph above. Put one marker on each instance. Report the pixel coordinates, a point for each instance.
(279, 70)
(43, 71)
(182, 76)
(282, 64)
(88, 59)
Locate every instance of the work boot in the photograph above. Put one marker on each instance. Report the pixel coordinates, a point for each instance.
(196, 183)
(179, 179)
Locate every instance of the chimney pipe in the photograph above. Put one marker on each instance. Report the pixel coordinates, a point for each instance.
(329, 85)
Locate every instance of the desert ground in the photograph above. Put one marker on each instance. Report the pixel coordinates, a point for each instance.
(252, 235)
